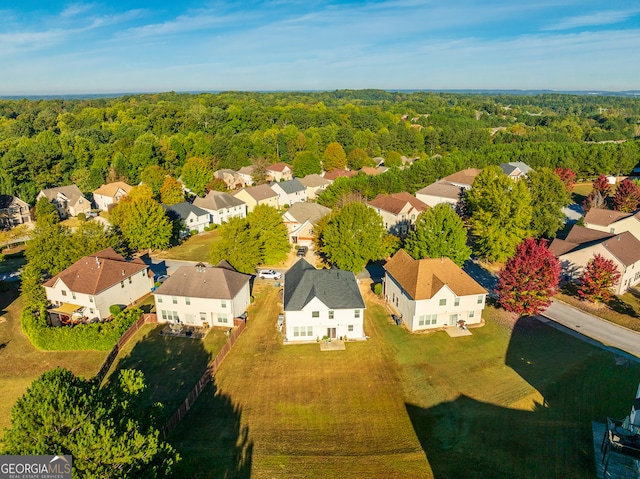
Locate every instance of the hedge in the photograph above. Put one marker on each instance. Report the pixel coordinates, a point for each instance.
(94, 336)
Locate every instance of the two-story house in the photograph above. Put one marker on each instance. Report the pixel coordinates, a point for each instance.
(289, 192)
(300, 220)
(13, 212)
(257, 195)
(192, 217)
(221, 206)
(110, 194)
(399, 211)
(68, 200)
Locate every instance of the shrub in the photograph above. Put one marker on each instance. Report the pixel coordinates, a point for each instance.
(82, 217)
(377, 288)
(194, 232)
(114, 309)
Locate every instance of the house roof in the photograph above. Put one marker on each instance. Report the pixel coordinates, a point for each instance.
(246, 170)
(335, 288)
(464, 177)
(604, 217)
(7, 200)
(422, 279)
(441, 189)
(259, 193)
(625, 247)
(394, 203)
(280, 166)
(217, 200)
(578, 237)
(184, 209)
(312, 212)
(291, 186)
(111, 189)
(314, 180)
(512, 166)
(369, 170)
(95, 273)
(201, 281)
(337, 173)
(71, 192)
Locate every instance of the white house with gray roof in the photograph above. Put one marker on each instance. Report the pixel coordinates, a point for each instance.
(322, 302)
(203, 296)
(222, 206)
(315, 185)
(289, 192)
(194, 218)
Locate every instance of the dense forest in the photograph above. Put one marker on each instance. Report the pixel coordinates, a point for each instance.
(45, 143)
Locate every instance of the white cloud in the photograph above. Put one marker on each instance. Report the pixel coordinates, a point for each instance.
(605, 17)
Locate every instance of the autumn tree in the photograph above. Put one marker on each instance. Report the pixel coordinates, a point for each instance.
(196, 173)
(500, 210)
(106, 430)
(352, 236)
(306, 163)
(529, 279)
(627, 196)
(548, 196)
(438, 232)
(598, 279)
(153, 176)
(334, 157)
(217, 184)
(171, 192)
(141, 220)
(603, 186)
(567, 176)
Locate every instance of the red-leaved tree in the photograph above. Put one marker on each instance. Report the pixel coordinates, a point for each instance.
(529, 279)
(627, 196)
(599, 277)
(603, 186)
(568, 177)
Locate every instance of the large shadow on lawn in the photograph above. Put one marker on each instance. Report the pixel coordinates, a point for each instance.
(579, 382)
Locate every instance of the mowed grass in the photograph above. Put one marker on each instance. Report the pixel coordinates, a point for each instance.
(504, 402)
(21, 362)
(195, 248)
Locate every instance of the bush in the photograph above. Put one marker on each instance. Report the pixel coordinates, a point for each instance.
(114, 309)
(82, 217)
(95, 336)
(194, 232)
(377, 288)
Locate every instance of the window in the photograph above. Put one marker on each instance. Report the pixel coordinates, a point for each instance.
(174, 300)
(130, 281)
(612, 230)
(356, 314)
(296, 331)
(309, 331)
(456, 302)
(159, 299)
(472, 314)
(187, 301)
(64, 293)
(426, 319)
(73, 295)
(330, 314)
(434, 318)
(122, 284)
(170, 316)
(91, 299)
(421, 319)
(480, 298)
(91, 310)
(443, 302)
(315, 314)
(350, 328)
(223, 303)
(203, 317)
(222, 318)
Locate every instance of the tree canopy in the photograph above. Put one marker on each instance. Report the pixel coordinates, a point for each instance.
(598, 279)
(548, 196)
(196, 173)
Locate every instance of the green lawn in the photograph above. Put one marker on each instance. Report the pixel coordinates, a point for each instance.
(12, 262)
(195, 248)
(504, 402)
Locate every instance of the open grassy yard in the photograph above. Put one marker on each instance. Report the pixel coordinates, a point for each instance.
(21, 363)
(195, 248)
(504, 402)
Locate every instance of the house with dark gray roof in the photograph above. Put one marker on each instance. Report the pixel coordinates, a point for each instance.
(193, 217)
(322, 302)
(222, 206)
(202, 295)
(515, 169)
(289, 192)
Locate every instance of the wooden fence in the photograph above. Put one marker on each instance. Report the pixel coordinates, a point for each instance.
(208, 374)
(106, 365)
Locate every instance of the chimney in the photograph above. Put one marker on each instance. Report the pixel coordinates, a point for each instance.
(122, 272)
(97, 261)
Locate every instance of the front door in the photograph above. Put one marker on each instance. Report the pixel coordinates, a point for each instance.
(453, 319)
(331, 332)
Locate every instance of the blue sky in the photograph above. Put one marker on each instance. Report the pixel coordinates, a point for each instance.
(56, 47)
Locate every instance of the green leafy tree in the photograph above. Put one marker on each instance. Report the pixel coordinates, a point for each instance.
(334, 157)
(153, 176)
(196, 173)
(548, 196)
(439, 232)
(266, 224)
(393, 159)
(352, 236)
(500, 213)
(100, 427)
(141, 220)
(171, 192)
(306, 163)
(45, 211)
(357, 158)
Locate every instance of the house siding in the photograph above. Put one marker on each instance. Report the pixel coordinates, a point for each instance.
(342, 319)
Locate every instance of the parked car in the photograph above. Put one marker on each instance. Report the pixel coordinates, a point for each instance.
(162, 278)
(302, 251)
(269, 274)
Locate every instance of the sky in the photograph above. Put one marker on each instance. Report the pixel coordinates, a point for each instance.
(128, 46)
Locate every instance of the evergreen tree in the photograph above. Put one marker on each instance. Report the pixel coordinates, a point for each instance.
(438, 232)
(529, 279)
(548, 196)
(500, 213)
(598, 278)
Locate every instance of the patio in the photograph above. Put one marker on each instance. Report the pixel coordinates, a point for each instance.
(184, 331)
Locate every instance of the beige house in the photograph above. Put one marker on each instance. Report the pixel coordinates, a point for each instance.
(449, 188)
(257, 195)
(203, 296)
(399, 211)
(231, 178)
(582, 244)
(432, 293)
(610, 221)
(337, 173)
(315, 185)
(68, 200)
(221, 206)
(300, 220)
(246, 173)
(13, 212)
(91, 285)
(279, 172)
(108, 195)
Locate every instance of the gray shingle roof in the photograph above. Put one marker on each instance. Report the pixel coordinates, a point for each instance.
(308, 211)
(203, 282)
(291, 186)
(337, 289)
(217, 200)
(184, 209)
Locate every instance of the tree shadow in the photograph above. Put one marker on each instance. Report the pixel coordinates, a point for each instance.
(213, 442)
(9, 292)
(621, 307)
(579, 383)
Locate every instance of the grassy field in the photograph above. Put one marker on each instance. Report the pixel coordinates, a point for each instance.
(21, 363)
(504, 402)
(195, 248)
